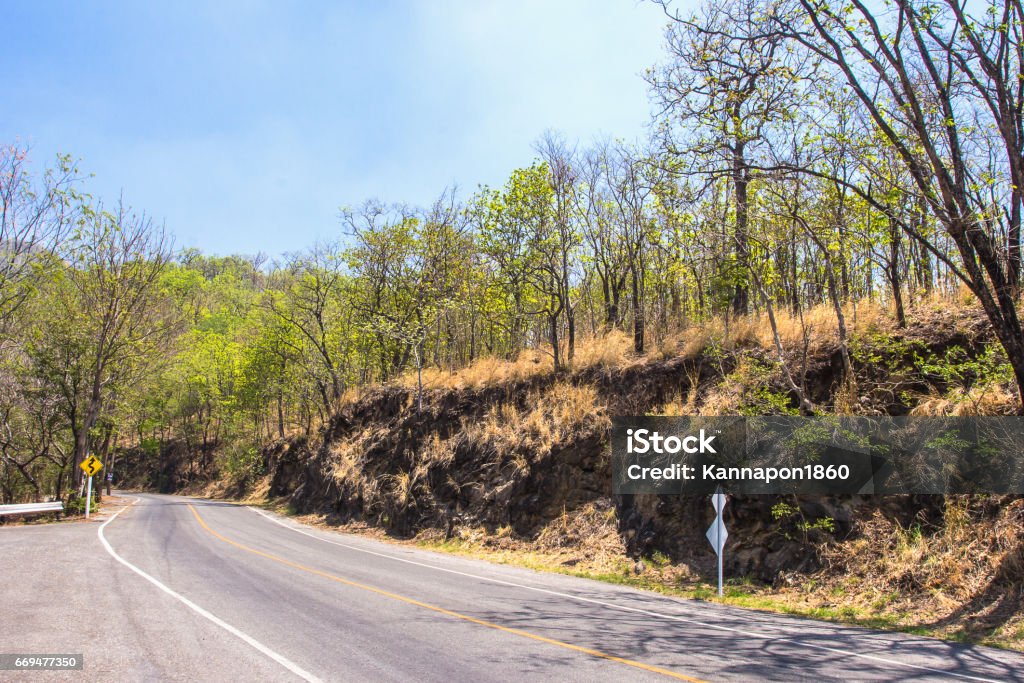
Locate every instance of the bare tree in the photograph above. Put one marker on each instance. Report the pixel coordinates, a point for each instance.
(632, 179)
(308, 301)
(560, 160)
(34, 217)
(726, 83)
(594, 209)
(942, 87)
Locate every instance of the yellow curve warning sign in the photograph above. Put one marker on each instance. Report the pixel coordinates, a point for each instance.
(91, 465)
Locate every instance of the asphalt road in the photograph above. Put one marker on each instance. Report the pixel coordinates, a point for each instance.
(172, 588)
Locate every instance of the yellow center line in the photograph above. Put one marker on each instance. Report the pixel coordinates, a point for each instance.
(448, 612)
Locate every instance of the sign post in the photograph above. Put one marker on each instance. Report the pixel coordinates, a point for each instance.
(90, 466)
(717, 533)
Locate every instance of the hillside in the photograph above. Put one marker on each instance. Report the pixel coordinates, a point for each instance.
(511, 461)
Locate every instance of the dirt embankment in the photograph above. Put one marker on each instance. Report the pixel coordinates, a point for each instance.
(517, 456)
(517, 461)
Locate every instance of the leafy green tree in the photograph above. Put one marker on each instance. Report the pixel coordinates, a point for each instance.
(107, 317)
(728, 80)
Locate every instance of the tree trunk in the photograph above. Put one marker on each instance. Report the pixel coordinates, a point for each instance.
(570, 317)
(1013, 247)
(741, 297)
(553, 338)
(110, 471)
(892, 269)
(82, 438)
(638, 313)
(998, 302)
(280, 412)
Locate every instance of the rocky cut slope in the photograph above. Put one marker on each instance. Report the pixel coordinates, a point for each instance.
(514, 450)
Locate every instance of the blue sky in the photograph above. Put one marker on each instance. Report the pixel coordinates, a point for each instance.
(244, 126)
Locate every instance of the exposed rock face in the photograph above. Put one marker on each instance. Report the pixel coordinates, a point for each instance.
(475, 458)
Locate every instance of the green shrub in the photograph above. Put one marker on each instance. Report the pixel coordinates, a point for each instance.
(76, 505)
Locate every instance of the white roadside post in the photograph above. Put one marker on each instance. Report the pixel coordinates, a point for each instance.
(717, 533)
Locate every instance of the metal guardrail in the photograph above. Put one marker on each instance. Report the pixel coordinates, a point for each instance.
(31, 508)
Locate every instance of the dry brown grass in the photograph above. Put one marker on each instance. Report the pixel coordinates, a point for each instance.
(887, 556)
(611, 350)
(402, 485)
(591, 529)
(811, 331)
(582, 541)
(990, 399)
(348, 468)
(348, 455)
(552, 417)
(950, 576)
(351, 395)
(846, 400)
(437, 451)
(732, 392)
(484, 372)
(720, 333)
(816, 327)
(681, 405)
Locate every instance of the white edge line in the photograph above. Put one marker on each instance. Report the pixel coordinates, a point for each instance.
(612, 605)
(280, 659)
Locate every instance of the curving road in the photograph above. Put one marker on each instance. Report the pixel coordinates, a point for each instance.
(172, 588)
